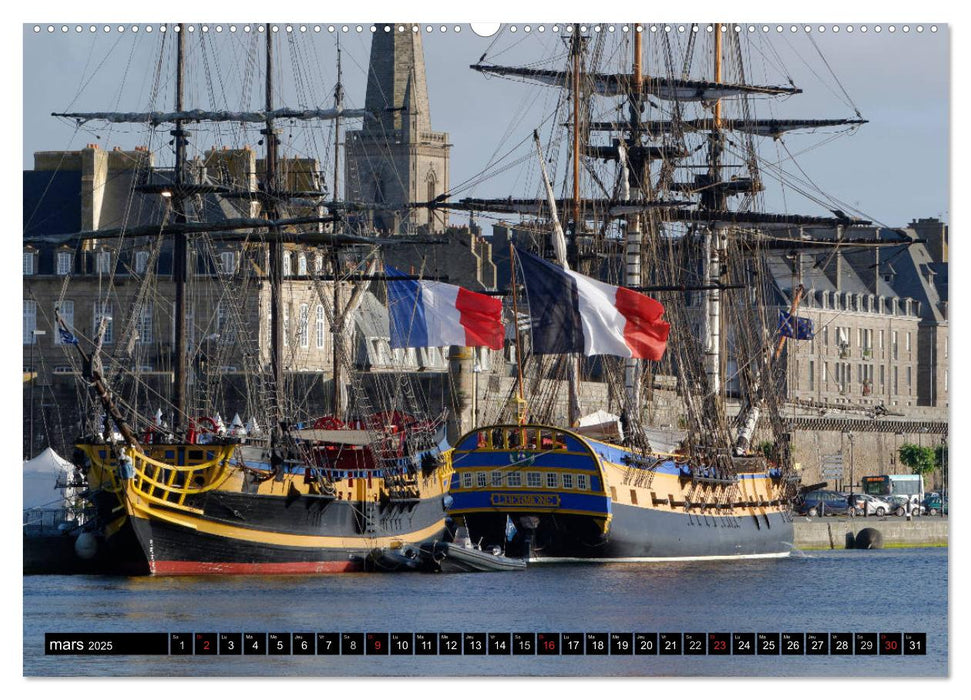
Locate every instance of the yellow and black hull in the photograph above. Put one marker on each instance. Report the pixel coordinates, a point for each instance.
(229, 513)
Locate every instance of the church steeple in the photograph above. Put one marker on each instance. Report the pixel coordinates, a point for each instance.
(396, 158)
(396, 89)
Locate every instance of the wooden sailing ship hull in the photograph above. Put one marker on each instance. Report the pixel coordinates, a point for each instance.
(224, 512)
(278, 537)
(601, 502)
(644, 534)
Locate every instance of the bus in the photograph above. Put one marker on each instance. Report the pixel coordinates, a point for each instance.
(888, 485)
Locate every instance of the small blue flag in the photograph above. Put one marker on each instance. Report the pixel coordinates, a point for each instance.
(510, 529)
(67, 338)
(795, 327)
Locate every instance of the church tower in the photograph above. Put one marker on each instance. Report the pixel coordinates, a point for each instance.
(396, 158)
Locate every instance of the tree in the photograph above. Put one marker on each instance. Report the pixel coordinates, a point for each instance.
(768, 450)
(921, 460)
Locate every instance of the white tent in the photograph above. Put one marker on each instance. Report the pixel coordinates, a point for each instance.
(41, 475)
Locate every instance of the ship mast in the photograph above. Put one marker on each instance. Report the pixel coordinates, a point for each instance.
(179, 265)
(575, 55)
(632, 269)
(714, 241)
(573, 256)
(276, 250)
(337, 331)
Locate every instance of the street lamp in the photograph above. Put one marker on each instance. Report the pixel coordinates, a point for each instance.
(33, 382)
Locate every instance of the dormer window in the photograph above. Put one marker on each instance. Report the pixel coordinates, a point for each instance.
(102, 262)
(227, 262)
(65, 261)
(30, 262)
(141, 262)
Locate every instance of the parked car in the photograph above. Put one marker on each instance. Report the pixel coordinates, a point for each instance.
(874, 505)
(823, 502)
(899, 505)
(934, 504)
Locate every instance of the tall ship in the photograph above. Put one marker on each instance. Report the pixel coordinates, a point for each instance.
(185, 492)
(663, 273)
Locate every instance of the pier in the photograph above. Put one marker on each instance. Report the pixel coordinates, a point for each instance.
(840, 533)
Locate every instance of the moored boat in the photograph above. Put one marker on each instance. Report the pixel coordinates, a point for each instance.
(461, 555)
(573, 497)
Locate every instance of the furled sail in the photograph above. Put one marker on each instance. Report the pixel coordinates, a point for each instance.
(200, 115)
(759, 127)
(614, 84)
(607, 207)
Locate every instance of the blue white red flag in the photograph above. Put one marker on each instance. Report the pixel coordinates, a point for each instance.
(573, 313)
(427, 314)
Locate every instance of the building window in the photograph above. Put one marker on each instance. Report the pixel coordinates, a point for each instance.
(66, 311)
(30, 262)
(102, 310)
(286, 264)
(145, 324)
(552, 480)
(467, 480)
(318, 263)
(896, 386)
(825, 375)
(320, 329)
(843, 340)
(141, 262)
(515, 479)
(30, 321)
(581, 482)
(910, 389)
(65, 262)
(907, 342)
(303, 322)
(225, 327)
(893, 344)
(533, 480)
(480, 479)
(302, 264)
(826, 336)
(496, 478)
(227, 262)
(812, 375)
(102, 262)
(568, 481)
(882, 377)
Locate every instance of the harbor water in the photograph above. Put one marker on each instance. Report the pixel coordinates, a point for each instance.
(893, 590)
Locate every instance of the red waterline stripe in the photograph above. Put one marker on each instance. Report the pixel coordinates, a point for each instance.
(196, 568)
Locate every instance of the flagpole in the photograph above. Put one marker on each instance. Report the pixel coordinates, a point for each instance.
(521, 399)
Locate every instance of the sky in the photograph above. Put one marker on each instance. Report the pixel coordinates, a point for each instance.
(891, 170)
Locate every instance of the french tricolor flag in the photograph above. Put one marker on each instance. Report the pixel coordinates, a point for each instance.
(573, 313)
(427, 314)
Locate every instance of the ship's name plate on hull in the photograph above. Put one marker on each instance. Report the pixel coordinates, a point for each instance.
(526, 500)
